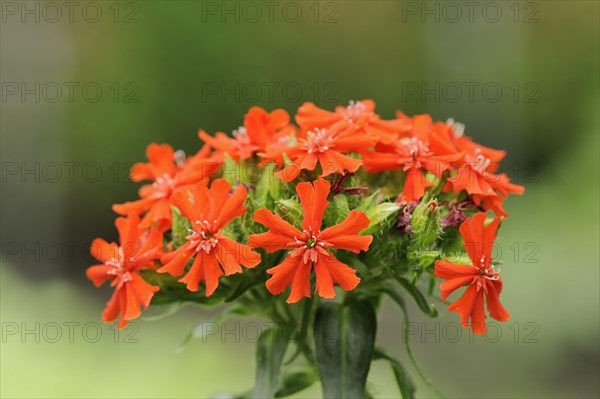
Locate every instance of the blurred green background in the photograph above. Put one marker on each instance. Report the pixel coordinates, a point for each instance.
(114, 76)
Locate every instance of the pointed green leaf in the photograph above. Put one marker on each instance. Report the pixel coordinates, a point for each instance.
(344, 339)
(405, 384)
(428, 309)
(368, 202)
(270, 350)
(296, 381)
(379, 215)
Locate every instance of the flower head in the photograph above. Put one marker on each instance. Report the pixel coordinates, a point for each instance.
(311, 247)
(121, 264)
(326, 146)
(209, 210)
(481, 279)
(359, 114)
(414, 157)
(169, 172)
(260, 130)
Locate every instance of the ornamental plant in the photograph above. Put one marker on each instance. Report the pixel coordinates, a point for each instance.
(311, 226)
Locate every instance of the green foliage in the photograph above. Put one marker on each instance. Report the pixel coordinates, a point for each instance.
(290, 210)
(297, 380)
(367, 203)
(426, 230)
(344, 340)
(268, 187)
(337, 210)
(415, 293)
(270, 350)
(181, 228)
(405, 384)
(381, 217)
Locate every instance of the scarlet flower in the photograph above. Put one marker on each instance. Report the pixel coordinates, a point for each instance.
(311, 246)
(360, 113)
(169, 174)
(476, 169)
(239, 147)
(326, 146)
(121, 264)
(437, 136)
(415, 158)
(209, 210)
(476, 174)
(480, 278)
(263, 127)
(259, 130)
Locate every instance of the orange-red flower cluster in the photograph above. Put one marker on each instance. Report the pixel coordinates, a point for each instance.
(322, 144)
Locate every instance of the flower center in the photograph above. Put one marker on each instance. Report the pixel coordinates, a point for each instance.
(481, 164)
(201, 236)
(163, 186)
(119, 267)
(416, 149)
(241, 135)
(318, 141)
(487, 271)
(458, 129)
(354, 111)
(310, 246)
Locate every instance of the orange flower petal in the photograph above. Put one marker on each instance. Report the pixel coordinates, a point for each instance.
(283, 274)
(353, 224)
(300, 283)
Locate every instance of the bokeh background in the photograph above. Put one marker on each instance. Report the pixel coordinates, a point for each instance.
(86, 87)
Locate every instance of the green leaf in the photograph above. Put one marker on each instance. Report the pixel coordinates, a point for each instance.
(368, 202)
(158, 312)
(405, 384)
(344, 338)
(379, 215)
(241, 289)
(181, 228)
(267, 185)
(428, 309)
(270, 350)
(296, 381)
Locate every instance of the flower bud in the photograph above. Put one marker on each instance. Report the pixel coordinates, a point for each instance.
(426, 228)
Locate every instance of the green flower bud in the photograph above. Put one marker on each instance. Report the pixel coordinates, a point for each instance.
(426, 229)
